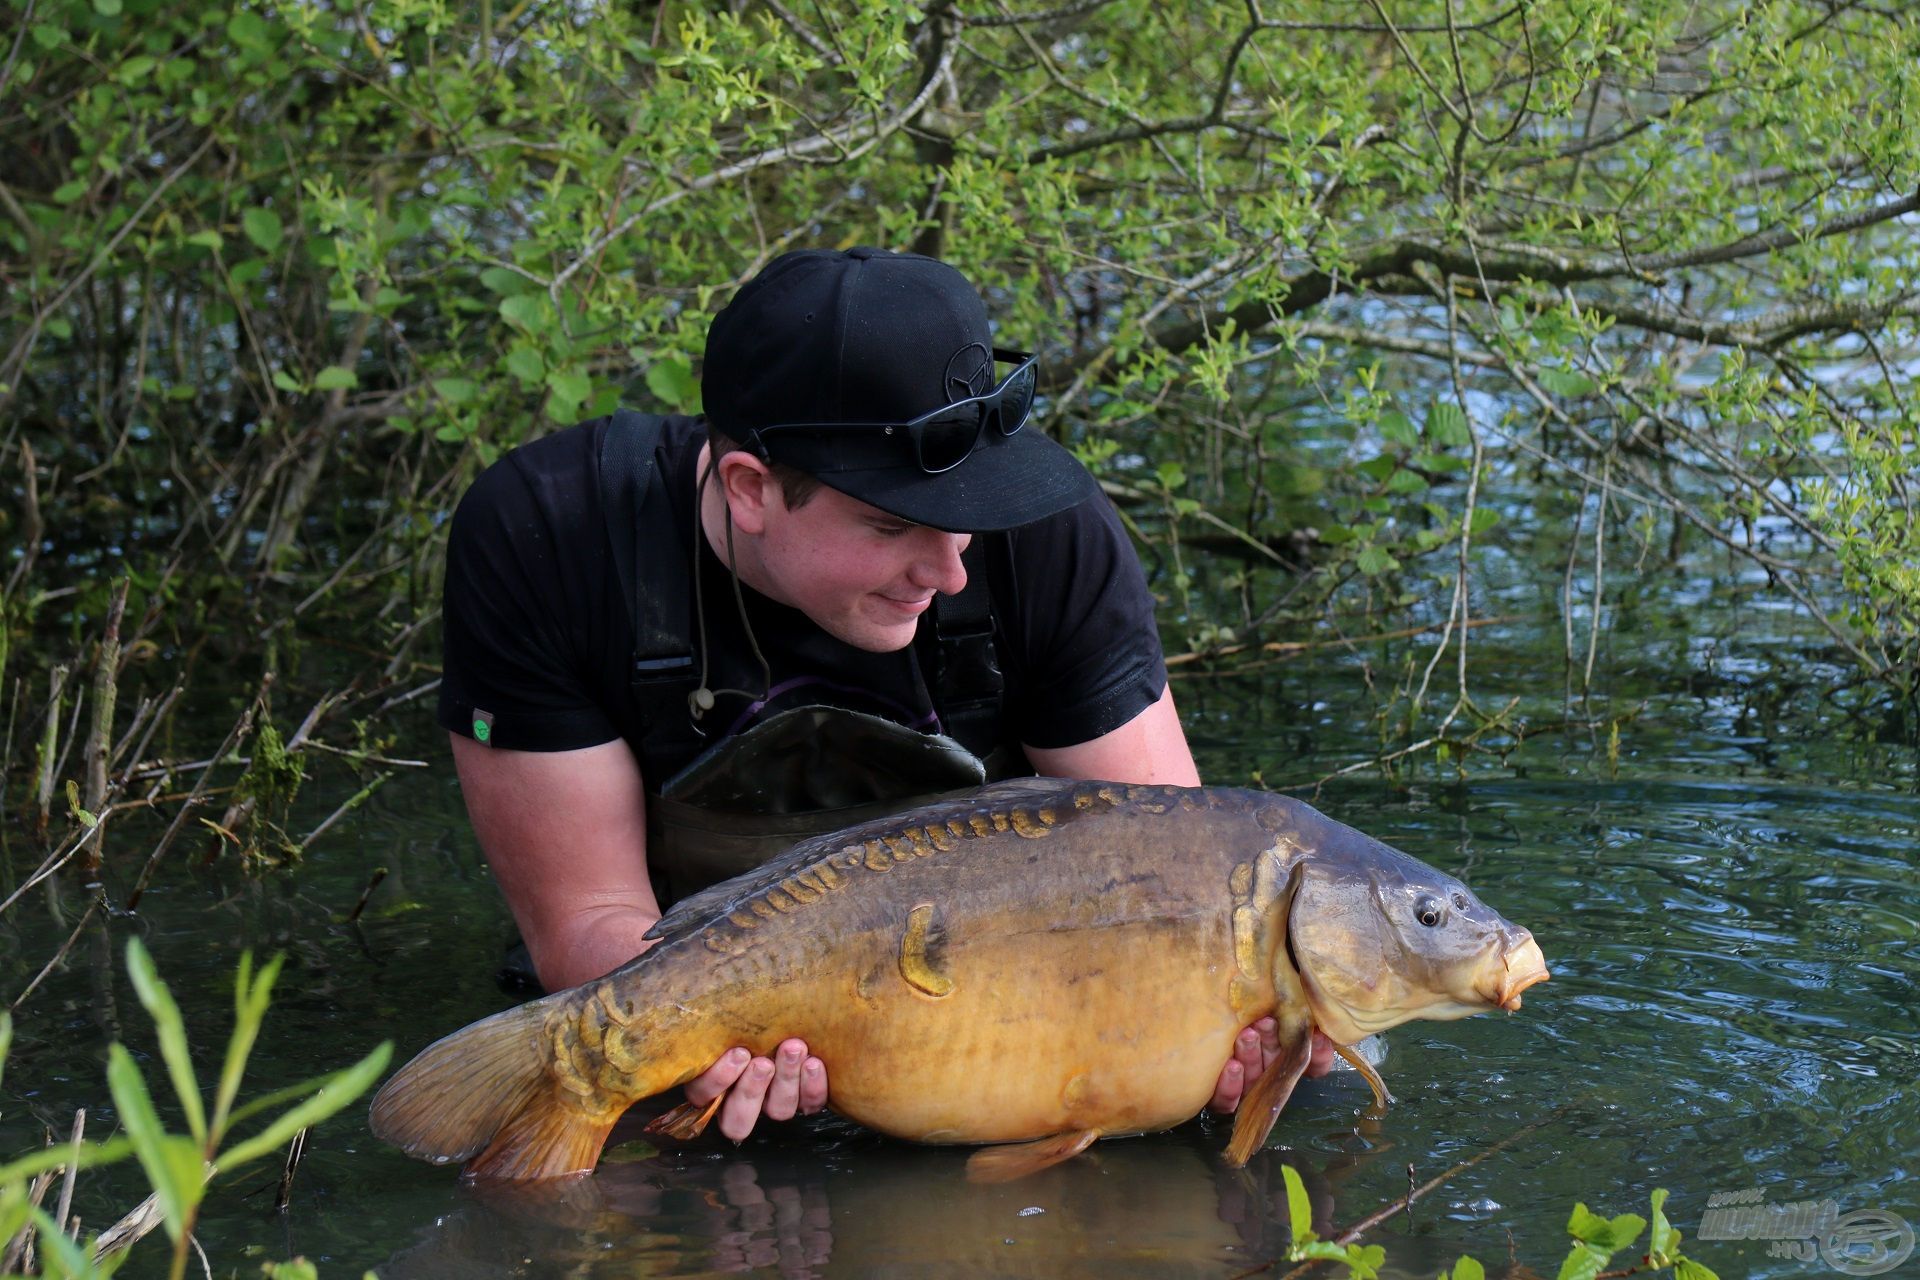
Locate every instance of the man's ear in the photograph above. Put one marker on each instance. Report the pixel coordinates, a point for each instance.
(749, 488)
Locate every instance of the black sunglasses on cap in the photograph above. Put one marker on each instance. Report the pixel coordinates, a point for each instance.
(940, 440)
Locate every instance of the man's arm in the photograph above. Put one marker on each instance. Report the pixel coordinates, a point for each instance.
(1152, 747)
(565, 833)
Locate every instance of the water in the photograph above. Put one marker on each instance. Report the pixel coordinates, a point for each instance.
(1727, 904)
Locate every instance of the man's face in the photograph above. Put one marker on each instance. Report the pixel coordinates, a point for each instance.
(862, 575)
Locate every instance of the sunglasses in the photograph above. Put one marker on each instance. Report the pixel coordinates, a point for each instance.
(943, 439)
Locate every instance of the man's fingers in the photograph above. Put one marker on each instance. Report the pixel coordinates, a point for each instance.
(1320, 1060)
(1226, 1094)
(783, 1095)
(1246, 1064)
(744, 1100)
(718, 1078)
(813, 1086)
(1269, 1032)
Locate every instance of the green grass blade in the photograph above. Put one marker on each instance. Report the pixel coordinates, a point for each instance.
(151, 1143)
(339, 1090)
(1299, 1207)
(53, 1157)
(59, 1256)
(172, 1031)
(251, 994)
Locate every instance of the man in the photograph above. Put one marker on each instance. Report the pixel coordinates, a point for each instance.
(672, 651)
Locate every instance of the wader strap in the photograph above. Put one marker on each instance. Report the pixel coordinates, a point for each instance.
(965, 679)
(639, 518)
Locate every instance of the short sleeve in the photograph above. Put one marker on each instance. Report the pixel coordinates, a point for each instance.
(514, 674)
(1085, 623)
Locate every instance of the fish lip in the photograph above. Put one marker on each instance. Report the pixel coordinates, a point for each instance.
(1516, 983)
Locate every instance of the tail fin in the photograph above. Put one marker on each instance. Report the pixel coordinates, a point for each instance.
(485, 1094)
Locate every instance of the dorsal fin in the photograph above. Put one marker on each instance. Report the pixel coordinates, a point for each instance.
(692, 914)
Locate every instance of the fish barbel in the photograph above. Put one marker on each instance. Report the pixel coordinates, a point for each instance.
(1042, 962)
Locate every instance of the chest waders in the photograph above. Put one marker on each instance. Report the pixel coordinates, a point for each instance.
(802, 771)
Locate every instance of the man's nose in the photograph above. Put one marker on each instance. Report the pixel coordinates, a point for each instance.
(938, 565)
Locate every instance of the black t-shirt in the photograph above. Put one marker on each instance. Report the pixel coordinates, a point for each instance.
(537, 636)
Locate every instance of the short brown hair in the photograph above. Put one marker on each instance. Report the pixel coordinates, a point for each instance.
(797, 487)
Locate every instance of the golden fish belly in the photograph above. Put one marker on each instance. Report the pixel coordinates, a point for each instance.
(1013, 1015)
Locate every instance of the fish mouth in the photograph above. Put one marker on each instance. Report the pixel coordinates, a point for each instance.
(1522, 966)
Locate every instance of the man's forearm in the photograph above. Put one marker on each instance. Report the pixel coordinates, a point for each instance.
(595, 943)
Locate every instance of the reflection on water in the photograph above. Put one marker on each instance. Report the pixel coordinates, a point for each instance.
(1155, 1206)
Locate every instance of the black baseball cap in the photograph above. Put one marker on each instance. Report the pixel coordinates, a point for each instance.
(822, 359)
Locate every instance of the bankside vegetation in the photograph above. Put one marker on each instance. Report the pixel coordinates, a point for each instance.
(1372, 296)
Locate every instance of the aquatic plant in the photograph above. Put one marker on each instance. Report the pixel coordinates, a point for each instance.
(1596, 1240)
(178, 1166)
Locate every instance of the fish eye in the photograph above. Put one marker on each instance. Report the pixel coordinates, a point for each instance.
(1429, 910)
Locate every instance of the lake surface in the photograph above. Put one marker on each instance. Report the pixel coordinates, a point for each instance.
(1727, 901)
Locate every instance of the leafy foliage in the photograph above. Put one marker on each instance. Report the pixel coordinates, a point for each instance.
(177, 1166)
(285, 275)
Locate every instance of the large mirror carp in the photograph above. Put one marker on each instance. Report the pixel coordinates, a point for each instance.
(1042, 962)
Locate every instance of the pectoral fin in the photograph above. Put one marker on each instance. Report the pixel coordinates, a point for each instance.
(1260, 1106)
(1381, 1098)
(1017, 1160)
(686, 1121)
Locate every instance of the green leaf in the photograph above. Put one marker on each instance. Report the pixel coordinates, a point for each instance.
(1583, 1262)
(208, 239)
(68, 192)
(1664, 1237)
(1447, 425)
(1484, 518)
(570, 388)
(172, 1032)
(504, 282)
(1584, 1224)
(335, 378)
(1467, 1269)
(1688, 1269)
(286, 381)
(250, 996)
(263, 228)
(1565, 382)
(86, 819)
(455, 390)
(524, 363)
(293, 1269)
(340, 1089)
(671, 380)
(1375, 560)
(248, 30)
(106, 8)
(91, 1154)
(172, 1164)
(1299, 1207)
(135, 68)
(1625, 1229)
(528, 311)
(48, 36)
(59, 1255)
(1398, 428)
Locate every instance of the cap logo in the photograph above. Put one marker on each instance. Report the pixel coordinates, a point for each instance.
(969, 373)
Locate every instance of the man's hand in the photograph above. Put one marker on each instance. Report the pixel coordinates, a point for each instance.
(788, 1084)
(1257, 1046)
